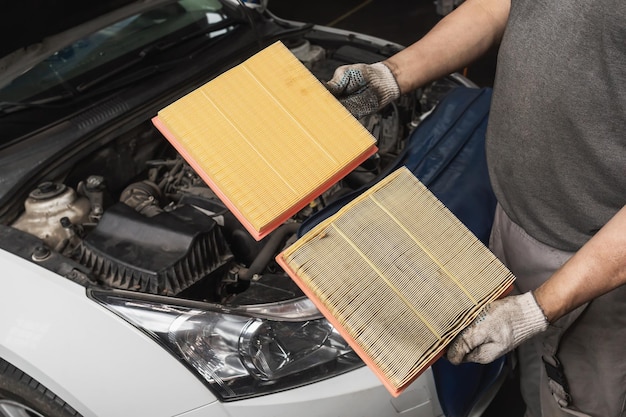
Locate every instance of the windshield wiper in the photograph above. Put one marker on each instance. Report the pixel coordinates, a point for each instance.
(153, 50)
(79, 92)
(8, 107)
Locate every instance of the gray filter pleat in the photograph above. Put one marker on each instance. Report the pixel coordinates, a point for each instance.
(398, 275)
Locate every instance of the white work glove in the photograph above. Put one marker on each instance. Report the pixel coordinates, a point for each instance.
(501, 327)
(364, 88)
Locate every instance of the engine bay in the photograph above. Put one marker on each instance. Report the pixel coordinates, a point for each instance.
(133, 215)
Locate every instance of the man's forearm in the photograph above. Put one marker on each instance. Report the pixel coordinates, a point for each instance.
(460, 38)
(597, 268)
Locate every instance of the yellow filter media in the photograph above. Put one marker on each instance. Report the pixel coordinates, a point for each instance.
(398, 275)
(267, 137)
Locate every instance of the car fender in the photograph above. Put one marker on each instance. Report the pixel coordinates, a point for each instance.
(95, 361)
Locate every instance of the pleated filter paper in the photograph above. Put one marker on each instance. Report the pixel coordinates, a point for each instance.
(398, 275)
(267, 137)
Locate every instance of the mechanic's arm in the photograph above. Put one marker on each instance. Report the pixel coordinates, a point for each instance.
(597, 268)
(458, 39)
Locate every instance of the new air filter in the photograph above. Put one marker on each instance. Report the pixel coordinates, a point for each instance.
(267, 137)
(398, 275)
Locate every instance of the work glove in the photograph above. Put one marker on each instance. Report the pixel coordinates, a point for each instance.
(502, 326)
(364, 88)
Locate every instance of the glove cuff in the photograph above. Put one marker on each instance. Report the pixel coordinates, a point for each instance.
(387, 85)
(531, 321)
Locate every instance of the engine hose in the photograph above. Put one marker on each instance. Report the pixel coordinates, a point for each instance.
(267, 254)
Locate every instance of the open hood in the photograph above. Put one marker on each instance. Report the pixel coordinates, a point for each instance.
(34, 29)
(29, 22)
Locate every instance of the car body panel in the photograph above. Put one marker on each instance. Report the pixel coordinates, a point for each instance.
(361, 389)
(138, 377)
(72, 346)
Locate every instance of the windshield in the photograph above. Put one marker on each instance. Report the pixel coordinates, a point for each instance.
(115, 48)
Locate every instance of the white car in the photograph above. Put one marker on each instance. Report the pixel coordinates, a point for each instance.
(127, 288)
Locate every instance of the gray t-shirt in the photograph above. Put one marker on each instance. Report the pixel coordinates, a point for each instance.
(556, 141)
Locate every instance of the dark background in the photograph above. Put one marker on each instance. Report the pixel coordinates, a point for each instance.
(399, 21)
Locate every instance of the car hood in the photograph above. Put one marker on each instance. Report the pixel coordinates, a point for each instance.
(33, 29)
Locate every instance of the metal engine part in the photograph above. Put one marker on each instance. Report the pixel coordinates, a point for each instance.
(144, 197)
(308, 54)
(50, 211)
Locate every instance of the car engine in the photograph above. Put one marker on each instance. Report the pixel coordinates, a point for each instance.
(135, 216)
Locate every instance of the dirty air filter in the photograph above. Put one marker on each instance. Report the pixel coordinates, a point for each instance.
(164, 254)
(398, 275)
(267, 137)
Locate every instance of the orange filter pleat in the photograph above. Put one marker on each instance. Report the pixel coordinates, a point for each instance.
(267, 137)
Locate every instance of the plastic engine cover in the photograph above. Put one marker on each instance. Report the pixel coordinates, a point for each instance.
(164, 254)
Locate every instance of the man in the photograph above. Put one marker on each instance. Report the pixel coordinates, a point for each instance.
(556, 150)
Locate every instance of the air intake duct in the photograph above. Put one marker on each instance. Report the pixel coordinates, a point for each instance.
(164, 254)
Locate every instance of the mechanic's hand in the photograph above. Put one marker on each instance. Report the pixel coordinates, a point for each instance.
(364, 89)
(500, 328)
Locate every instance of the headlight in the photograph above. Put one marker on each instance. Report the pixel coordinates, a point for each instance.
(245, 352)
